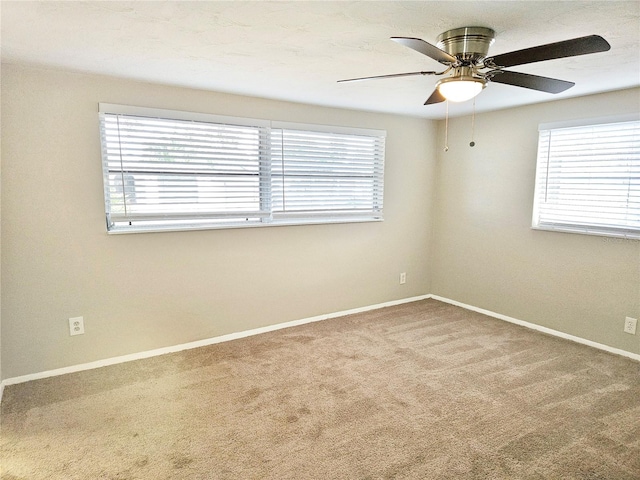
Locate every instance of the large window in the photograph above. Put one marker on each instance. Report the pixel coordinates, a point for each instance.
(168, 170)
(588, 179)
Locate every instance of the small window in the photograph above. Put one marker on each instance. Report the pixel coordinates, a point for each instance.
(588, 179)
(166, 170)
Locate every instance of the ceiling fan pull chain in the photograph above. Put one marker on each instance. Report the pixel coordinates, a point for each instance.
(446, 129)
(473, 124)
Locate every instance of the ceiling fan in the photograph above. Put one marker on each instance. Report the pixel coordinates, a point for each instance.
(464, 52)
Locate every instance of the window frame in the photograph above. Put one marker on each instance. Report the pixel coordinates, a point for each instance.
(571, 224)
(265, 159)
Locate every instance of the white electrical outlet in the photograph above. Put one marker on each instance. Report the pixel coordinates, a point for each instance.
(630, 325)
(403, 278)
(76, 326)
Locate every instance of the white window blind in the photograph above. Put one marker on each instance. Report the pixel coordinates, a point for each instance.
(166, 171)
(588, 179)
(326, 174)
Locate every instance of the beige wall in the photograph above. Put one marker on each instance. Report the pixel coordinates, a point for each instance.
(144, 291)
(484, 251)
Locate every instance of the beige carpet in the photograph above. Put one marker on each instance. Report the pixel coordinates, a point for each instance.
(419, 391)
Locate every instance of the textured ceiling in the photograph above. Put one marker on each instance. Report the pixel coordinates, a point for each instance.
(298, 50)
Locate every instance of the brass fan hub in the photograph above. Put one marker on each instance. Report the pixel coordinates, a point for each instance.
(467, 43)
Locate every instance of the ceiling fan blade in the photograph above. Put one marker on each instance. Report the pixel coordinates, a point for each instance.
(426, 48)
(393, 75)
(525, 80)
(436, 97)
(550, 51)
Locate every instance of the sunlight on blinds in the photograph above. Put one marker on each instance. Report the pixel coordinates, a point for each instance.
(164, 170)
(588, 180)
(326, 173)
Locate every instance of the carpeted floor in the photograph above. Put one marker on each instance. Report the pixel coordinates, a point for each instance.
(423, 390)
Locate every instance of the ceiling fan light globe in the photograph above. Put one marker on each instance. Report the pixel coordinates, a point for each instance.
(460, 89)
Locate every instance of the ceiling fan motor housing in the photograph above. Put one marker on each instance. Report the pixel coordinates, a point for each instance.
(467, 43)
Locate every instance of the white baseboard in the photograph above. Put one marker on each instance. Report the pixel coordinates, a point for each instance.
(539, 328)
(294, 323)
(196, 344)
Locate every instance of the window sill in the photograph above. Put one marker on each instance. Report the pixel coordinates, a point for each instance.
(279, 223)
(617, 234)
